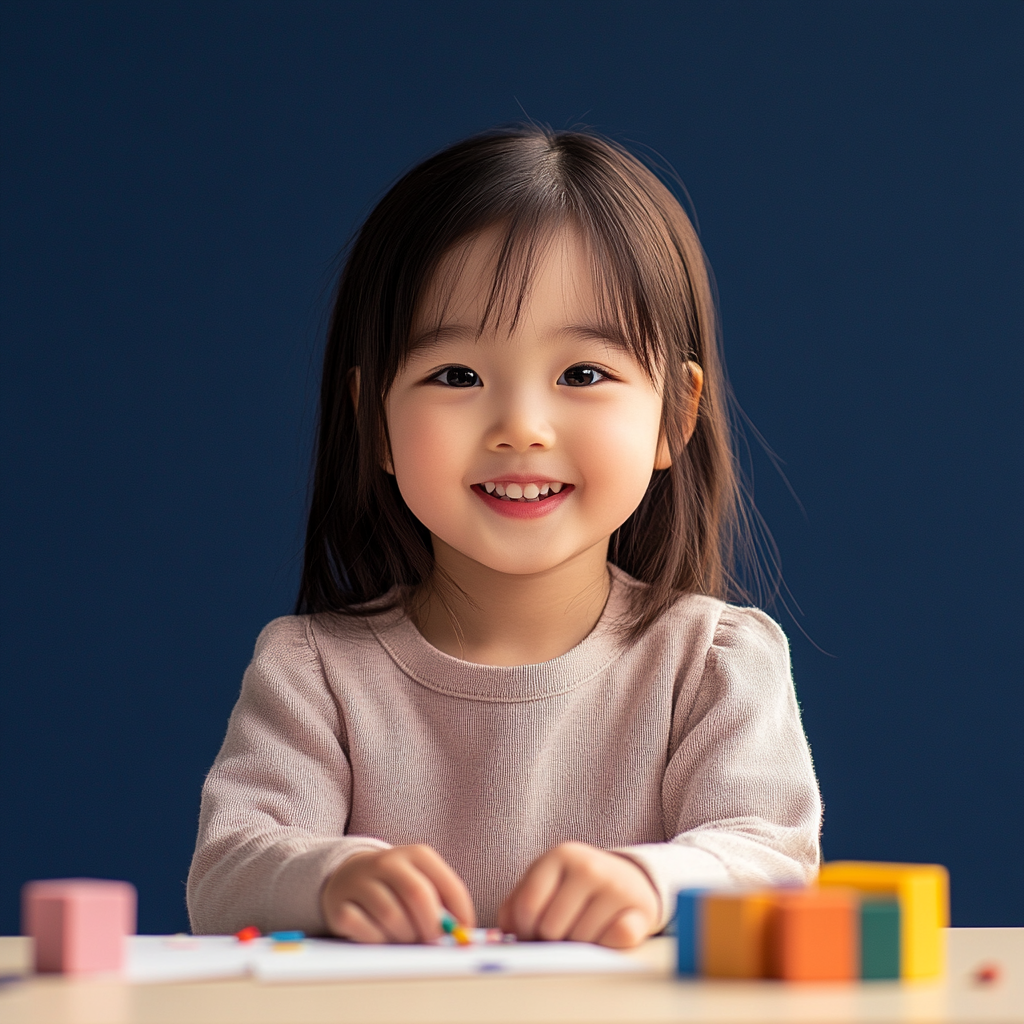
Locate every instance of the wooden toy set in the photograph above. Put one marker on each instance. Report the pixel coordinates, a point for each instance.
(861, 920)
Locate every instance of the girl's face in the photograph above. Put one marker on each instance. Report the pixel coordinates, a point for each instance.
(521, 450)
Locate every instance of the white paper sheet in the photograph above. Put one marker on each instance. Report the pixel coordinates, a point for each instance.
(151, 958)
(321, 960)
(156, 958)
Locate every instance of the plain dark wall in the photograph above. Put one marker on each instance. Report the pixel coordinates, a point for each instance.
(176, 181)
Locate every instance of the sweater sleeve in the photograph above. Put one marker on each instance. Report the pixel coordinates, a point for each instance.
(276, 801)
(740, 799)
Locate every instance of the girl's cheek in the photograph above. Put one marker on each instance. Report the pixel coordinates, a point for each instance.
(619, 450)
(618, 472)
(427, 460)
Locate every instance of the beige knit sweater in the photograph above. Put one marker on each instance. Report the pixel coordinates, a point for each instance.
(684, 751)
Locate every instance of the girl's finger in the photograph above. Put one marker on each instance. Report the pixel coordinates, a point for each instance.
(418, 895)
(351, 922)
(451, 889)
(628, 929)
(386, 911)
(529, 899)
(597, 916)
(567, 904)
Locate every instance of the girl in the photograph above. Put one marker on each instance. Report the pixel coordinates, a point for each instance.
(513, 688)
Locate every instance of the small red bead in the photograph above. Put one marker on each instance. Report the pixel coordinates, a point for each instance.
(248, 934)
(987, 974)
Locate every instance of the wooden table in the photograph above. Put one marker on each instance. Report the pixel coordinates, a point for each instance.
(654, 996)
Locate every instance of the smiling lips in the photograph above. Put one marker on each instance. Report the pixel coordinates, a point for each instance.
(523, 500)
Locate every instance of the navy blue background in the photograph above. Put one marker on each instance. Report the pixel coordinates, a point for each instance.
(176, 181)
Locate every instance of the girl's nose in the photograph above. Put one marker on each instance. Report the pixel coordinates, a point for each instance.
(522, 424)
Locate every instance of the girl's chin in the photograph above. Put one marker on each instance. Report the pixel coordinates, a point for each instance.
(516, 558)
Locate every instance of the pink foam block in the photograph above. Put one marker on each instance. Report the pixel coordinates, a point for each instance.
(79, 924)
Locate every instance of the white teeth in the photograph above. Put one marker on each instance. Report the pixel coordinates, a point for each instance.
(521, 492)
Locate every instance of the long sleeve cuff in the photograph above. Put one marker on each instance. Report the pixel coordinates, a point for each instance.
(294, 898)
(674, 866)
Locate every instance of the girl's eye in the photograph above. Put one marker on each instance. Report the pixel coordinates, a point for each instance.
(581, 376)
(458, 377)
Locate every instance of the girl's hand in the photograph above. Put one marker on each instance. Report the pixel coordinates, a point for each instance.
(394, 895)
(585, 894)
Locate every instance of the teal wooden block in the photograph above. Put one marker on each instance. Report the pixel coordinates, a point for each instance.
(879, 940)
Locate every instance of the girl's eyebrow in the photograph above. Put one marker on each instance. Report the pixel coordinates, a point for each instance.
(440, 333)
(610, 334)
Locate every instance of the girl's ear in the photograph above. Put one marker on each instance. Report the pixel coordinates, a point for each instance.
(663, 458)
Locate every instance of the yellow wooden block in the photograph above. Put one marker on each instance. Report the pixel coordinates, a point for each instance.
(733, 934)
(923, 894)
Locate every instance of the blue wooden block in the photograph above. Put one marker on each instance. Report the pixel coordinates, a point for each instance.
(688, 932)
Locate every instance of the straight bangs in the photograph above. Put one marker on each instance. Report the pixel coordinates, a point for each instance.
(519, 248)
(364, 549)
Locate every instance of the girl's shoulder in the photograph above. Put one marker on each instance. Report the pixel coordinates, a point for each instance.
(304, 638)
(715, 624)
(730, 626)
(742, 650)
(746, 626)
(727, 652)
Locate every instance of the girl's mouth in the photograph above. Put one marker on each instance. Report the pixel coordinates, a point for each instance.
(529, 492)
(516, 500)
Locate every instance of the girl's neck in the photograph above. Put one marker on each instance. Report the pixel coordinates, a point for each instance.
(503, 619)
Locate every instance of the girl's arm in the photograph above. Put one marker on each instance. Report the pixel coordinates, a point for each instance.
(740, 799)
(739, 796)
(276, 802)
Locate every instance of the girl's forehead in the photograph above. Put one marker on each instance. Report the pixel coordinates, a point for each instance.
(481, 285)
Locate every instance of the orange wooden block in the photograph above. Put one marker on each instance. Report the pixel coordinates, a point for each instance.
(733, 934)
(814, 935)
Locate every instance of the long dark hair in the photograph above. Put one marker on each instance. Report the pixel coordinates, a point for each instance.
(364, 548)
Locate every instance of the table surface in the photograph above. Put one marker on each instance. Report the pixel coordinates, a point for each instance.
(654, 996)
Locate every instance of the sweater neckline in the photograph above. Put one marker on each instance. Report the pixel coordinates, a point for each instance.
(441, 672)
